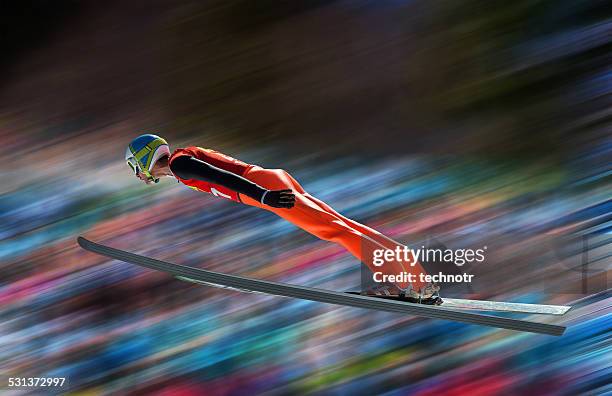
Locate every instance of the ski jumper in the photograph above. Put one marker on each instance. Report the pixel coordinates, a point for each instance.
(309, 213)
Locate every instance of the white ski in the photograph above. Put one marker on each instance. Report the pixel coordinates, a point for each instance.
(500, 306)
(492, 306)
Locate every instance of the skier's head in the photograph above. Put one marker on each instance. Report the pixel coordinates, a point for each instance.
(143, 153)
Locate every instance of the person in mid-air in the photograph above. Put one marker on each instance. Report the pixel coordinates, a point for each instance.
(275, 190)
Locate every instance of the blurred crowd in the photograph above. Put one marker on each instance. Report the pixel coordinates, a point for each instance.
(480, 124)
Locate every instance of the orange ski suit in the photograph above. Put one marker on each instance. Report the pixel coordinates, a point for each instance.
(309, 213)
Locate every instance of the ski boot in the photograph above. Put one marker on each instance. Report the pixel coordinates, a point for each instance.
(428, 295)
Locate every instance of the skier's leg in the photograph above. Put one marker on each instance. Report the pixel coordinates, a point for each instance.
(370, 232)
(317, 220)
(313, 219)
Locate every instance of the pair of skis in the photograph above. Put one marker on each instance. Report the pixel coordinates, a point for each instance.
(452, 309)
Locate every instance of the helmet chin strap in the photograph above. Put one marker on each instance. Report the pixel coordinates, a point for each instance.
(150, 177)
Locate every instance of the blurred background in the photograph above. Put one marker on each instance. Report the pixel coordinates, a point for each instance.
(474, 122)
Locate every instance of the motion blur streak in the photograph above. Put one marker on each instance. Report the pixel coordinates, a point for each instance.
(474, 123)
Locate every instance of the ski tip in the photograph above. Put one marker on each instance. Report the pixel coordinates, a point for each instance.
(81, 241)
(85, 243)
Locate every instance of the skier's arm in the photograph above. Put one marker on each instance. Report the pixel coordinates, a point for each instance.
(187, 167)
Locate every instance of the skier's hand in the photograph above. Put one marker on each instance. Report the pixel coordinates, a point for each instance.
(279, 198)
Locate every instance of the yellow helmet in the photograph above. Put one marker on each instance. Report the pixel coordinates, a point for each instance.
(143, 152)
